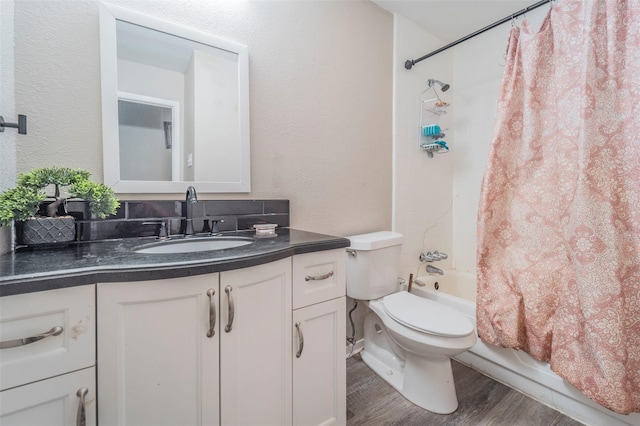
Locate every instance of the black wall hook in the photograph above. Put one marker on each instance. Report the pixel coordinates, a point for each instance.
(21, 125)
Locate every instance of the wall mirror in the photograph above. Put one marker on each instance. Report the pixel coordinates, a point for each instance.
(175, 106)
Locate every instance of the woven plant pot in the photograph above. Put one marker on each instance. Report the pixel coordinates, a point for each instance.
(46, 230)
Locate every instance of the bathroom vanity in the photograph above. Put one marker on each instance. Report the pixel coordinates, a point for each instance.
(246, 335)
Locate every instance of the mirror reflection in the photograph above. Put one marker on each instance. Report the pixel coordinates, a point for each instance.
(178, 100)
(145, 131)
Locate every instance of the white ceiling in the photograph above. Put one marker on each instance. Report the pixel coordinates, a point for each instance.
(453, 19)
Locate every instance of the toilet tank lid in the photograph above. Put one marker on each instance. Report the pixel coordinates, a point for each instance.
(375, 240)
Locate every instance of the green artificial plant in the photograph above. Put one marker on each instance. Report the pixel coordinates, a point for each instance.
(22, 202)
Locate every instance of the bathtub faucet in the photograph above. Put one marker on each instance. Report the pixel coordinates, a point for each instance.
(433, 270)
(432, 257)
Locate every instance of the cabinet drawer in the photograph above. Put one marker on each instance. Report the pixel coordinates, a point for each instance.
(54, 401)
(318, 277)
(24, 316)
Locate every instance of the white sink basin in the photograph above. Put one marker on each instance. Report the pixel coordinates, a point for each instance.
(192, 246)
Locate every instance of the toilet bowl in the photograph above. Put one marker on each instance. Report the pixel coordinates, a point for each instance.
(408, 340)
(415, 357)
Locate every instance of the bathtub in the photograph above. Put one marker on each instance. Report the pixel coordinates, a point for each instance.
(514, 368)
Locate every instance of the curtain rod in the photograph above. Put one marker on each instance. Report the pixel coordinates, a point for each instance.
(411, 62)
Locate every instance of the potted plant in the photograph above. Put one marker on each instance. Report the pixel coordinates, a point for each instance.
(22, 203)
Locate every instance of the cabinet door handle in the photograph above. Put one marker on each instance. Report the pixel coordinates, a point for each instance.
(212, 313)
(300, 339)
(318, 277)
(227, 290)
(55, 331)
(81, 416)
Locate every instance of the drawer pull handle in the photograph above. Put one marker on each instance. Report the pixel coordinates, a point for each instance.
(300, 339)
(227, 290)
(81, 416)
(318, 277)
(55, 331)
(212, 313)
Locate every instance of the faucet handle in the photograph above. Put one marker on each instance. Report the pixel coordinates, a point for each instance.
(163, 233)
(432, 257)
(215, 229)
(439, 256)
(429, 257)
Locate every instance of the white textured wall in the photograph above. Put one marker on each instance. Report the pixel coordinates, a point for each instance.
(7, 97)
(7, 109)
(320, 90)
(58, 85)
(422, 189)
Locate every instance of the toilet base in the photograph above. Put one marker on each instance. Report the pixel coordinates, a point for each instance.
(392, 376)
(427, 383)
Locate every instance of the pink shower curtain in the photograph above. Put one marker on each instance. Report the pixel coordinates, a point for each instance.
(559, 216)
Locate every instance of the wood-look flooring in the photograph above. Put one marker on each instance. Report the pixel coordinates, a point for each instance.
(481, 401)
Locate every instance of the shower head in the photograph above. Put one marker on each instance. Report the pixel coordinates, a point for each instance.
(443, 86)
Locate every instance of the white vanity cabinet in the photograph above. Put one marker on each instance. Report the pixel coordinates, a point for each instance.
(319, 365)
(207, 349)
(47, 357)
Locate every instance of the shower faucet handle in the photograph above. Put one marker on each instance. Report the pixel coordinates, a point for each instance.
(429, 257)
(432, 257)
(439, 256)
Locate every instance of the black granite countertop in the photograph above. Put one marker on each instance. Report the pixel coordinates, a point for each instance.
(31, 270)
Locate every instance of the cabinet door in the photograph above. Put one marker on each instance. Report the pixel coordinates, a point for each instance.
(319, 364)
(157, 364)
(255, 356)
(51, 402)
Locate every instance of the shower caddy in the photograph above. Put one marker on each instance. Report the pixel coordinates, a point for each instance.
(431, 133)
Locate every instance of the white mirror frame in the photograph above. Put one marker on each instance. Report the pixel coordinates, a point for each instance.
(109, 78)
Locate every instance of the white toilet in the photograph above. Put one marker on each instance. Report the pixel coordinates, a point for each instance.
(408, 340)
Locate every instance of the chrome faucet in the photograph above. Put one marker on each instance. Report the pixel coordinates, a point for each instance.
(191, 199)
(433, 270)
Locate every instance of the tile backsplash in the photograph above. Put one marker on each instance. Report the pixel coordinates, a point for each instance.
(139, 218)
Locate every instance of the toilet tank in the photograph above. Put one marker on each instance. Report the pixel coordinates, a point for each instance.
(372, 264)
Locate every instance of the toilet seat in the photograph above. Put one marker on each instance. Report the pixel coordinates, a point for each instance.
(426, 316)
